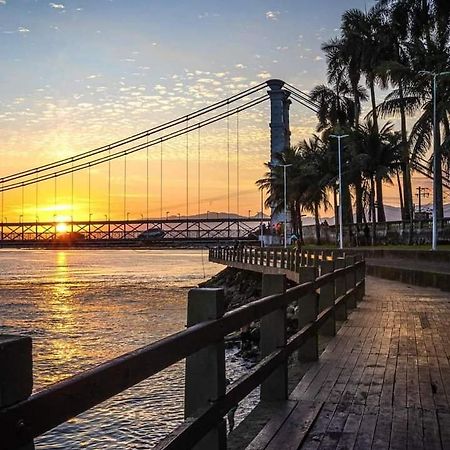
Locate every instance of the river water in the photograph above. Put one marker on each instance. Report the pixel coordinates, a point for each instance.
(83, 307)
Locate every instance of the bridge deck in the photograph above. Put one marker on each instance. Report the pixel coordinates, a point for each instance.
(383, 382)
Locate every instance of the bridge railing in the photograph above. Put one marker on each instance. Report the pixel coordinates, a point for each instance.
(327, 291)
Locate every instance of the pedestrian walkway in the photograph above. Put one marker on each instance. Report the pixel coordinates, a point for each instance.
(383, 382)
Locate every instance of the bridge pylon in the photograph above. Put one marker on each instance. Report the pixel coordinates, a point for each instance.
(280, 133)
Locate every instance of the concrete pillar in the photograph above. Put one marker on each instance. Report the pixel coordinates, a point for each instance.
(273, 336)
(287, 128)
(326, 299)
(279, 127)
(16, 372)
(308, 309)
(205, 370)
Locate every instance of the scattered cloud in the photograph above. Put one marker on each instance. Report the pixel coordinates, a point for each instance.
(23, 30)
(240, 66)
(264, 75)
(272, 15)
(318, 58)
(2, 2)
(56, 5)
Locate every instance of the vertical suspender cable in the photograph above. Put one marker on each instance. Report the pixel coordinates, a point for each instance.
(54, 213)
(198, 173)
(71, 213)
(147, 180)
(109, 184)
(3, 203)
(237, 162)
(23, 201)
(72, 194)
(36, 198)
(187, 168)
(89, 192)
(228, 161)
(161, 181)
(125, 187)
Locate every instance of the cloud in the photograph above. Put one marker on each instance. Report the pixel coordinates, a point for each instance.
(240, 66)
(23, 30)
(56, 5)
(318, 58)
(2, 2)
(264, 75)
(272, 15)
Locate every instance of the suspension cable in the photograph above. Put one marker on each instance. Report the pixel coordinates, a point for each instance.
(139, 147)
(136, 136)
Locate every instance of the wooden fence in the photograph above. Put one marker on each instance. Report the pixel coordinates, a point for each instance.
(327, 291)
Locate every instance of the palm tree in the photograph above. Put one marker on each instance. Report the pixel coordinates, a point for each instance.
(379, 159)
(422, 29)
(314, 168)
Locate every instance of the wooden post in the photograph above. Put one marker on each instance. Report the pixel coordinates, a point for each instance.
(326, 299)
(308, 308)
(205, 370)
(340, 289)
(16, 372)
(273, 336)
(350, 281)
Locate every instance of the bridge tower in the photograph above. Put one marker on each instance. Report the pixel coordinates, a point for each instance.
(280, 133)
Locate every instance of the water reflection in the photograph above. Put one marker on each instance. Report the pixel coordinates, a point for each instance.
(83, 308)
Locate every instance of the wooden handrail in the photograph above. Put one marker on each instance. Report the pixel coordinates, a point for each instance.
(23, 421)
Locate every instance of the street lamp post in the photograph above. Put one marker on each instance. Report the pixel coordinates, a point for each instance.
(435, 75)
(341, 230)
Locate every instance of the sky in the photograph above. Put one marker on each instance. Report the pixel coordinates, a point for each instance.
(80, 74)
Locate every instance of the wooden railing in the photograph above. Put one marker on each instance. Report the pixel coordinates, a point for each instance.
(327, 291)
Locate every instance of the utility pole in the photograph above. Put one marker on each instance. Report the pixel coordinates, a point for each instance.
(422, 192)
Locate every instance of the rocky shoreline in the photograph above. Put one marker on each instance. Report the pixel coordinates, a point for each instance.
(242, 287)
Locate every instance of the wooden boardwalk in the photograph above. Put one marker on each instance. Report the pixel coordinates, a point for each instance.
(383, 382)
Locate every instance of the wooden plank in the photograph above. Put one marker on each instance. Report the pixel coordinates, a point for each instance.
(319, 428)
(382, 434)
(415, 430)
(280, 415)
(399, 429)
(350, 432)
(296, 427)
(366, 430)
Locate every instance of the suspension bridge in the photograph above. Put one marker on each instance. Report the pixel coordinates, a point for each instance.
(119, 224)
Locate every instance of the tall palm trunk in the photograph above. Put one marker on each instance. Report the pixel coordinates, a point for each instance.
(407, 210)
(358, 198)
(298, 209)
(317, 223)
(381, 216)
(400, 192)
(372, 210)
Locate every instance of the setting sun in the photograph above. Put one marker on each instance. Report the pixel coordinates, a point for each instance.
(61, 227)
